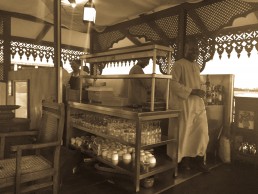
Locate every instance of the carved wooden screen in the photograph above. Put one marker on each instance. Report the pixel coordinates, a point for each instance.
(203, 20)
(42, 51)
(238, 40)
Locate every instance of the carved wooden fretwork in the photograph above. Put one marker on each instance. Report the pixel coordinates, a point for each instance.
(199, 22)
(204, 21)
(206, 50)
(42, 51)
(161, 28)
(245, 39)
(107, 39)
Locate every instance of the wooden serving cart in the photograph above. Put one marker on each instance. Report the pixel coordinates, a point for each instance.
(77, 125)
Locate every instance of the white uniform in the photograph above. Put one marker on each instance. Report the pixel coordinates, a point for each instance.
(193, 125)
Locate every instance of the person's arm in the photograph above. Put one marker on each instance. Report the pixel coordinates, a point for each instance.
(198, 92)
(86, 82)
(176, 87)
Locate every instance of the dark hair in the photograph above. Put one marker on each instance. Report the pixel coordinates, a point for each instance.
(86, 68)
(76, 61)
(191, 50)
(143, 62)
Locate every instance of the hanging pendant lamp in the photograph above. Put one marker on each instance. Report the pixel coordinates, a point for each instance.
(89, 12)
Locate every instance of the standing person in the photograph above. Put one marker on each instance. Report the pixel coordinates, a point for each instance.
(138, 89)
(186, 95)
(74, 81)
(86, 69)
(65, 75)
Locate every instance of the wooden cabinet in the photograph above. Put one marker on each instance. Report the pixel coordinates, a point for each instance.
(245, 130)
(168, 138)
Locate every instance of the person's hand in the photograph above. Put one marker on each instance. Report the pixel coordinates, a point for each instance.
(198, 92)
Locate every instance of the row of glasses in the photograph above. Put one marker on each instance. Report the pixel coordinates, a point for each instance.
(126, 129)
(91, 121)
(120, 128)
(129, 132)
(151, 132)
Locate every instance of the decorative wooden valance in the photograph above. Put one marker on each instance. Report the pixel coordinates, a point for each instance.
(35, 50)
(238, 40)
(162, 55)
(42, 51)
(202, 20)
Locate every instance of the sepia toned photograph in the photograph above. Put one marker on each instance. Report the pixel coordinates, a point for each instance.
(128, 96)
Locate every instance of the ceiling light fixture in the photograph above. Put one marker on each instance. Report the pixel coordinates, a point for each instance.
(89, 12)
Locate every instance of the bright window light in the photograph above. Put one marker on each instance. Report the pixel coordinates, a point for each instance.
(124, 68)
(244, 68)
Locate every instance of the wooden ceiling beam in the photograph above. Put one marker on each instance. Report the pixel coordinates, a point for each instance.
(164, 38)
(256, 14)
(23, 16)
(181, 34)
(153, 25)
(26, 17)
(198, 21)
(139, 20)
(43, 33)
(45, 43)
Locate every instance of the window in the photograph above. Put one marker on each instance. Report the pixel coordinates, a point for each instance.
(244, 68)
(21, 95)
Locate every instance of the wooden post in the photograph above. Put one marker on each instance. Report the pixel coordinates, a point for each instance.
(168, 81)
(181, 33)
(57, 50)
(153, 80)
(6, 52)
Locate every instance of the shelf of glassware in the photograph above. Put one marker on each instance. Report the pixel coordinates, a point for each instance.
(163, 162)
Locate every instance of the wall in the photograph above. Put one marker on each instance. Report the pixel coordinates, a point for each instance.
(2, 93)
(42, 87)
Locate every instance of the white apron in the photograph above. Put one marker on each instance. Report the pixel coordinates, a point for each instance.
(193, 129)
